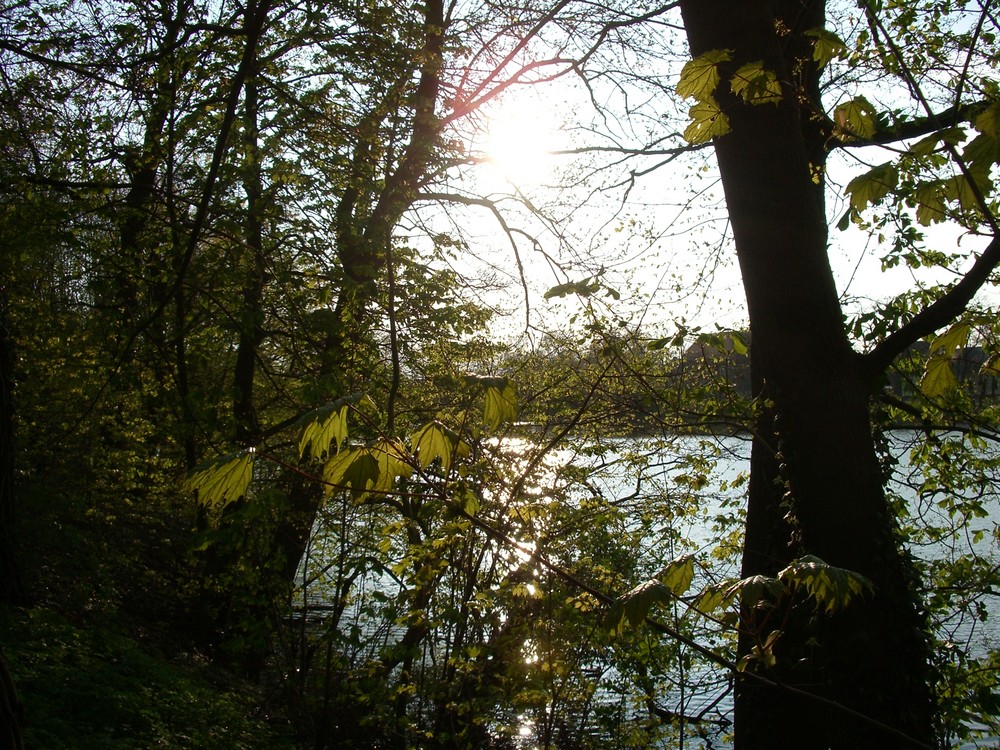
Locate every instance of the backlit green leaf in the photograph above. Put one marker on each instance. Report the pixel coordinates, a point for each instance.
(872, 186)
(222, 480)
(354, 469)
(959, 188)
(982, 153)
(434, 441)
(678, 574)
(757, 590)
(708, 121)
(948, 342)
(855, 119)
(700, 76)
(740, 345)
(756, 84)
(928, 145)
(714, 597)
(938, 378)
(930, 204)
(632, 608)
(328, 424)
(368, 470)
(393, 462)
(500, 406)
(833, 588)
(826, 46)
(987, 122)
(326, 427)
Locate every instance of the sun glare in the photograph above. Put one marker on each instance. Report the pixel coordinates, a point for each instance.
(519, 143)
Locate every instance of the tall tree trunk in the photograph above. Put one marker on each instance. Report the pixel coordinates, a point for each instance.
(816, 485)
(251, 317)
(11, 711)
(11, 586)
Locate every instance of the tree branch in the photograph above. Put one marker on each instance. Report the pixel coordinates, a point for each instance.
(915, 128)
(937, 315)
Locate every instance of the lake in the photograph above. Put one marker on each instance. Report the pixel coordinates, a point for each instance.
(695, 486)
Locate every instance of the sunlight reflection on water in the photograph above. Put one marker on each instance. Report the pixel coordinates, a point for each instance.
(671, 473)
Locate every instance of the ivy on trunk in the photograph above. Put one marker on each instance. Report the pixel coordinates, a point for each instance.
(816, 485)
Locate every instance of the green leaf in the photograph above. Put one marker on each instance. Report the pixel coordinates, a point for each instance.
(583, 288)
(368, 470)
(678, 574)
(632, 608)
(714, 597)
(756, 590)
(762, 653)
(959, 188)
(485, 381)
(927, 146)
(329, 425)
(700, 76)
(740, 345)
(393, 462)
(470, 502)
(982, 153)
(826, 47)
(948, 342)
(938, 378)
(434, 441)
(355, 469)
(708, 121)
(222, 480)
(929, 198)
(833, 588)
(845, 220)
(855, 119)
(872, 186)
(756, 84)
(561, 290)
(500, 406)
(987, 122)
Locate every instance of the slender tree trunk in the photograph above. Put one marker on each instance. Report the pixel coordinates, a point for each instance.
(11, 711)
(251, 317)
(816, 485)
(12, 589)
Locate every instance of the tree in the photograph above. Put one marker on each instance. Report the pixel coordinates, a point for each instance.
(816, 485)
(256, 233)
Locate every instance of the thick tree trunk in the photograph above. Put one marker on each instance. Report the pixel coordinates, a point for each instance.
(816, 486)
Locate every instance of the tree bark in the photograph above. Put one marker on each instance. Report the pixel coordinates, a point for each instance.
(251, 315)
(816, 485)
(12, 591)
(11, 711)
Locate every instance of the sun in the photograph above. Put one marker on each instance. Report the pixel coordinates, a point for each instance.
(520, 142)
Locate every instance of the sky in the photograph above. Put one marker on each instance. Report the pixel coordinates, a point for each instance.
(658, 235)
